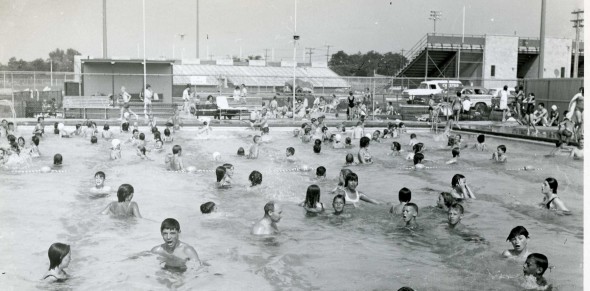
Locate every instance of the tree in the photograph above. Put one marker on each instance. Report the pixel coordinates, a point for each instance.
(62, 61)
(365, 64)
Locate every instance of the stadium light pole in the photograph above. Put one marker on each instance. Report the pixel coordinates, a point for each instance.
(295, 38)
(144, 63)
(435, 16)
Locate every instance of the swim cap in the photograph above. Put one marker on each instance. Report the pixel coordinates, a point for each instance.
(338, 137)
(45, 169)
(60, 126)
(554, 107)
(115, 142)
(216, 156)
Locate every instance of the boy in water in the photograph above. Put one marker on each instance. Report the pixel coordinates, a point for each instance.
(534, 267)
(404, 196)
(115, 149)
(519, 238)
(578, 152)
(229, 173)
(338, 204)
(268, 224)
(174, 253)
(253, 153)
(320, 173)
(106, 133)
(40, 127)
(99, 186)
(500, 155)
(455, 158)
(481, 143)
(57, 160)
(409, 213)
(123, 206)
(174, 161)
(290, 152)
(413, 140)
(455, 214)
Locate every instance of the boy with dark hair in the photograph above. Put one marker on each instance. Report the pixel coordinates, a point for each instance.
(500, 155)
(99, 186)
(534, 267)
(409, 213)
(518, 237)
(455, 214)
(175, 254)
(320, 172)
(123, 206)
(404, 196)
(455, 152)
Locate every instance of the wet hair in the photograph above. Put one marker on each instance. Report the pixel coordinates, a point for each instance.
(241, 151)
(457, 206)
(320, 171)
(306, 130)
(317, 141)
(455, 152)
(255, 178)
(349, 158)
(405, 288)
(448, 199)
(405, 195)
(141, 136)
(11, 138)
(481, 138)
(166, 132)
(21, 138)
(455, 179)
(418, 158)
(207, 207)
(519, 230)
(106, 127)
(552, 184)
(125, 126)
(134, 131)
(350, 177)
(376, 131)
(339, 196)
(100, 174)
(93, 139)
(502, 148)
(124, 191)
(542, 104)
(540, 261)
(228, 166)
(35, 140)
(157, 135)
(40, 118)
(397, 146)
(413, 135)
(254, 138)
(418, 147)
(268, 207)
(324, 129)
(317, 148)
(458, 93)
(348, 140)
(413, 205)
(385, 132)
(220, 173)
(176, 149)
(312, 196)
(364, 142)
(57, 159)
(344, 173)
(78, 125)
(56, 253)
(171, 224)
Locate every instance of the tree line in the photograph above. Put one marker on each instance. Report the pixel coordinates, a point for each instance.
(62, 61)
(367, 64)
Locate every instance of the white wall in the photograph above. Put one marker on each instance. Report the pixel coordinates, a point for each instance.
(502, 52)
(557, 54)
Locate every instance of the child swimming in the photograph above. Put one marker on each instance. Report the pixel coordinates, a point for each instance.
(460, 190)
(174, 161)
(255, 178)
(481, 143)
(253, 152)
(338, 204)
(534, 267)
(518, 237)
(312, 202)
(208, 207)
(59, 258)
(404, 196)
(364, 155)
(396, 148)
(455, 159)
(221, 174)
(106, 133)
(455, 214)
(99, 187)
(124, 206)
(418, 158)
(500, 155)
(409, 213)
(115, 149)
(320, 173)
(550, 199)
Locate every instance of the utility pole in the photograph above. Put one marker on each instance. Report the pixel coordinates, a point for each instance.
(265, 54)
(435, 16)
(578, 23)
(197, 29)
(328, 53)
(542, 37)
(309, 53)
(104, 29)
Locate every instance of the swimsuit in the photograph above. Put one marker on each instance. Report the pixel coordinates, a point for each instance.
(549, 202)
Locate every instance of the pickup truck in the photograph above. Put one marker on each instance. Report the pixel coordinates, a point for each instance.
(427, 89)
(481, 99)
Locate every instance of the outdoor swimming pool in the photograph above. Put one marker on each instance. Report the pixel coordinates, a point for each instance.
(365, 251)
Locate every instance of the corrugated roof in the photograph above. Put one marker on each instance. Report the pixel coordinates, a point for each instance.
(256, 76)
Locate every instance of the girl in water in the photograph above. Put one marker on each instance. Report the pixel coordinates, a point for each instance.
(353, 196)
(312, 200)
(550, 199)
(460, 189)
(59, 259)
(343, 173)
(364, 155)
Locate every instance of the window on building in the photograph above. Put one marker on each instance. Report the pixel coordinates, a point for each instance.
(563, 72)
(493, 74)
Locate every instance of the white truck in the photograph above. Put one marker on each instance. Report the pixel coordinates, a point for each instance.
(426, 89)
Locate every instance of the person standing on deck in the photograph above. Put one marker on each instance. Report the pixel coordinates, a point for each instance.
(147, 96)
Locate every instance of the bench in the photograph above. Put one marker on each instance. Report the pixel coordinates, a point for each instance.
(78, 105)
(205, 110)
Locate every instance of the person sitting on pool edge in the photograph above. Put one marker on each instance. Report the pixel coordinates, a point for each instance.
(123, 206)
(175, 254)
(59, 258)
(500, 155)
(268, 224)
(353, 196)
(174, 161)
(409, 213)
(518, 237)
(404, 196)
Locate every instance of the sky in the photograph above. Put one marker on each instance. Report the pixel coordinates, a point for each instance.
(30, 29)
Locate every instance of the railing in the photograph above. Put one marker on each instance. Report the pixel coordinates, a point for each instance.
(413, 53)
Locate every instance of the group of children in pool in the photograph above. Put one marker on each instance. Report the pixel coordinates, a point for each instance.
(345, 192)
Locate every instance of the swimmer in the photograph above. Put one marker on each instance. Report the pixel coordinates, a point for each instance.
(317, 147)
(167, 136)
(312, 200)
(306, 137)
(57, 160)
(174, 161)
(534, 267)
(416, 148)
(93, 140)
(455, 158)
(404, 196)
(481, 143)
(62, 130)
(255, 178)
(59, 258)
(348, 143)
(78, 130)
(142, 153)
(268, 224)
(99, 186)
(241, 152)
(341, 180)
(290, 153)
(208, 207)
(418, 159)
(338, 144)
(353, 196)
(205, 128)
(396, 149)
(124, 206)
(221, 174)
(550, 199)
(455, 215)
(500, 155)
(159, 145)
(320, 173)
(364, 155)
(376, 136)
(413, 140)
(338, 204)
(40, 126)
(175, 254)
(106, 133)
(253, 152)
(445, 200)
(229, 173)
(518, 237)
(141, 140)
(358, 130)
(460, 189)
(349, 160)
(409, 213)
(115, 149)
(134, 139)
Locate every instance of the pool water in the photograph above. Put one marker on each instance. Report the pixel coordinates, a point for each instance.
(364, 250)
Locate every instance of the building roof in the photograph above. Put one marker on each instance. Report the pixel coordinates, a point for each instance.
(255, 76)
(126, 61)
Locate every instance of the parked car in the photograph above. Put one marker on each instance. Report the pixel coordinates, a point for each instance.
(430, 89)
(481, 99)
(496, 96)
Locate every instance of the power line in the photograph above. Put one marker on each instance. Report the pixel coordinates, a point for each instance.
(310, 52)
(578, 23)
